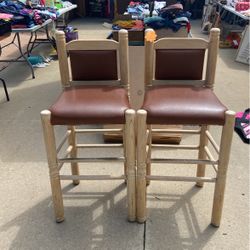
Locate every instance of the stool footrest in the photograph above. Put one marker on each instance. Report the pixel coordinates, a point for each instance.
(183, 161)
(179, 178)
(92, 177)
(107, 159)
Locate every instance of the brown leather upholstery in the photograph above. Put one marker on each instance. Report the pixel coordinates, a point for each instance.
(93, 65)
(90, 105)
(183, 105)
(179, 64)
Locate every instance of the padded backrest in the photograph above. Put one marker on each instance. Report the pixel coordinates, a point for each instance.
(181, 60)
(88, 65)
(179, 64)
(93, 61)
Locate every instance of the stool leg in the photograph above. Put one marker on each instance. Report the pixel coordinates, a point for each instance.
(149, 142)
(124, 152)
(73, 153)
(5, 89)
(202, 155)
(225, 146)
(130, 162)
(50, 144)
(141, 166)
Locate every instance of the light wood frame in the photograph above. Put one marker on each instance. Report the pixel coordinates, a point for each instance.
(211, 46)
(53, 149)
(121, 48)
(205, 156)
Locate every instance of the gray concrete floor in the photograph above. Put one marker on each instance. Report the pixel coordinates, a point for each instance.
(179, 213)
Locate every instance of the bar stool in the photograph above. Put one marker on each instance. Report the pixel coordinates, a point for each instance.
(176, 93)
(92, 94)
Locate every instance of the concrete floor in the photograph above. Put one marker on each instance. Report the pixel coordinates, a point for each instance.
(179, 213)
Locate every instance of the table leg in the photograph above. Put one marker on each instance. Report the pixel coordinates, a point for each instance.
(18, 45)
(31, 43)
(23, 56)
(50, 39)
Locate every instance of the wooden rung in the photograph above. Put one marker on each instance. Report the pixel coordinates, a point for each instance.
(174, 131)
(92, 177)
(101, 130)
(181, 43)
(210, 157)
(68, 150)
(147, 150)
(115, 83)
(107, 159)
(117, 145)
(60, 165)
(99, 83)
(213, 142)
(178, 82)
(63, 141)
(180, 178)
(159, 146)
(90, 44)
(183, 161)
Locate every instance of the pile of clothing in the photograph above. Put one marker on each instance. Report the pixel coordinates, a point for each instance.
(25, 16)
(172, 17)
(242, 6)
(138, 10)
(5, 24)
(129, 25)
(155, 16)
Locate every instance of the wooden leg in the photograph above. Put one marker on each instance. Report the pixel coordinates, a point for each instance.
(73, 153)
(130, 162)
(149, 142)
(225, 146)
(141, 166)
(124, 152)
(49, 138)
(202, 155)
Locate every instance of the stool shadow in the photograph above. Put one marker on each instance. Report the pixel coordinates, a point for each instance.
(100, 225)
(183, 232)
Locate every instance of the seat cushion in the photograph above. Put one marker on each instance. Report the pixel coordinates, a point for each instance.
(183, 105)
(90, 105)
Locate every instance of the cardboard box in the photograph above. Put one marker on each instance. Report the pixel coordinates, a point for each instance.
(161, 33)
(115, 137)
(135, 37)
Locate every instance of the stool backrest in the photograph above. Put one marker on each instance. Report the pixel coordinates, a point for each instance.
(100, 61)
(181, 60)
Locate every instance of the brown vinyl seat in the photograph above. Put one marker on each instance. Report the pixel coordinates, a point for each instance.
(178, 92)
(185, 105)
(93, 94)
(90, 105)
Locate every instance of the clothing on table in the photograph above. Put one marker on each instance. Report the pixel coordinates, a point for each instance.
(172, 17)
(24, 16)
(138, 10)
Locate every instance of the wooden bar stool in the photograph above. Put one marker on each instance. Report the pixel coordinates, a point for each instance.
(177, 93)
(92, 93)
